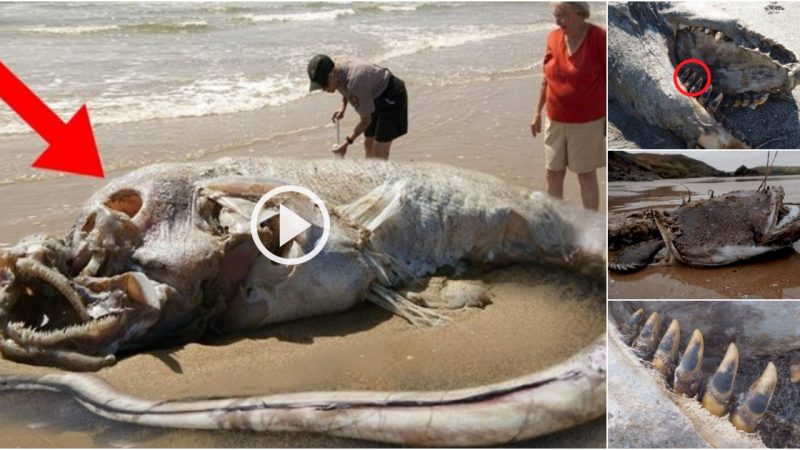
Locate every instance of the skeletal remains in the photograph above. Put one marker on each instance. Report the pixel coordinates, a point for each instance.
(648, 41)
(682, 381)
(716, 231)
(165, 254)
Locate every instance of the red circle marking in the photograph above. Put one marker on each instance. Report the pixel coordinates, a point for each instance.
(689, 61)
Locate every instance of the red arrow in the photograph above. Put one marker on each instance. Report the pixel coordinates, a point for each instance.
(72, 148)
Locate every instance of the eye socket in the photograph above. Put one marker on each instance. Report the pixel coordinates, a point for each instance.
(126, 201)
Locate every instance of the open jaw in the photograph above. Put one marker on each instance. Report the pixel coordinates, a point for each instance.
(76, 323)
(747, 70)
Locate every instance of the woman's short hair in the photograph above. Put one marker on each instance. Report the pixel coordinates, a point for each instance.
(582, 8)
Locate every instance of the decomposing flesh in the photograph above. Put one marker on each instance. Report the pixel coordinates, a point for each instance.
(165, 254)
(648, 41)
(711, 232)
(735, 365)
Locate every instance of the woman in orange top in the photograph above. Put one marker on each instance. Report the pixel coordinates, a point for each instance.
(574, 90)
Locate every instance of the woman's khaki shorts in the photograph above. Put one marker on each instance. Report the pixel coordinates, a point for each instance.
(581, 147)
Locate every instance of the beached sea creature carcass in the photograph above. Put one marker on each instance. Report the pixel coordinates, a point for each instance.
(732, 382)
(649, 40)
(165, 254)
(716, 231)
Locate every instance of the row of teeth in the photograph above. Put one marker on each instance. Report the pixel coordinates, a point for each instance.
(644, 339)
(761, 45)
(26, 335)
(718, 35)
(693, 82)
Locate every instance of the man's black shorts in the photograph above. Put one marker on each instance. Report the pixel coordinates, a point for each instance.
(390, 118)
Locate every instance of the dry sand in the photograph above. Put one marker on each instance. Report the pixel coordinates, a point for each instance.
(539, 318)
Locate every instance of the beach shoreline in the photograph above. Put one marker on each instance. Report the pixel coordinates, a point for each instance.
(491, 134)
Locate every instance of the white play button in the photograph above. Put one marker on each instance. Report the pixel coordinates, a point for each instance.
(291, 225)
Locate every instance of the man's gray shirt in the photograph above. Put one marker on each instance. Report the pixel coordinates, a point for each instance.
(361, 83)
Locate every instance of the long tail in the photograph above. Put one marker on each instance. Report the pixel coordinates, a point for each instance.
(559, 397)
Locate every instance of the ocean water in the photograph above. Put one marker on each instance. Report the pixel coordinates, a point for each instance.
(135, 62)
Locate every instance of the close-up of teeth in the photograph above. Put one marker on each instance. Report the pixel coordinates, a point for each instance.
(732, 397)
(688, 374)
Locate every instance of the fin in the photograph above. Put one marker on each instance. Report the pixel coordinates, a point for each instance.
(403, 307)
(666, 357)
(689, 371)
(720, 386)
(645, 343)
(373, 209)
(756, 401)
(636, 257)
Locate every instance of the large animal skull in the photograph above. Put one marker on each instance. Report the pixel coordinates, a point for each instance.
(161, 253)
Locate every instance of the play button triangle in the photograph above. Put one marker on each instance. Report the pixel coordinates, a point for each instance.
(291, 225)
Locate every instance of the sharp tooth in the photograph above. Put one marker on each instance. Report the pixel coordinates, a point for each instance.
(666, 356)
(703, 99)
(630, 329)
(761, 99)
(720, 386)
(719, 36)
(698, 84)
(684, 73)
(745, 99)
(750, 412)
(691, 78)
(708, 31)
(646, 343)
(794, 369)
(713, 105)
(687, 375)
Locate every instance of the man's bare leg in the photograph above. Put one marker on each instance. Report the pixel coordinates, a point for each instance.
(368, 143)
(380, 150)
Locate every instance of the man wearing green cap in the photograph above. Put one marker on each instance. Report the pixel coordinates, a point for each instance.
(379, 98)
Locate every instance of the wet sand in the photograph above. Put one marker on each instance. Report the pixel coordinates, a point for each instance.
(776, 275)
(489, 132)
(539, 318)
